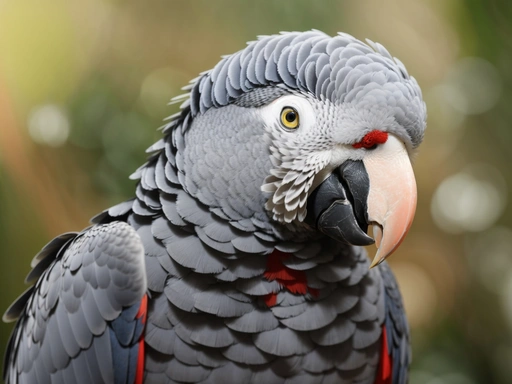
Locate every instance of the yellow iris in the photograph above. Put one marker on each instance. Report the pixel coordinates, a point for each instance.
(289, 118)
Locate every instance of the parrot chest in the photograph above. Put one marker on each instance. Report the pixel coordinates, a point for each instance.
(297, 318)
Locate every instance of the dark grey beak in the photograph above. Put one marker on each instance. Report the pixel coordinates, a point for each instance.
(338, 206)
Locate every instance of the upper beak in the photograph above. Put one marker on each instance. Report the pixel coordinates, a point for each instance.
(392, 197)
(380, 190)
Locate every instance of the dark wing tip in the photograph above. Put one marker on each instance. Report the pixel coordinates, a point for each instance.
(14, 311)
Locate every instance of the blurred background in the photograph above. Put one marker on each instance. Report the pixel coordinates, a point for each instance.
(85, 85)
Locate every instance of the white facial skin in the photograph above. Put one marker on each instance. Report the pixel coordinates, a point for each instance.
(298, 155)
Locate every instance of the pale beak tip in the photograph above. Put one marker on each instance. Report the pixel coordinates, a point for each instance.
(381, 255)
(377, 260)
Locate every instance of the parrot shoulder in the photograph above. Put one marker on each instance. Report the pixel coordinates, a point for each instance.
(83, 319)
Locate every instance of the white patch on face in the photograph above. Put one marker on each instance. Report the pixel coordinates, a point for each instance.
(297, 156)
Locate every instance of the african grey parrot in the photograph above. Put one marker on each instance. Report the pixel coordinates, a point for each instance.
(240, 259)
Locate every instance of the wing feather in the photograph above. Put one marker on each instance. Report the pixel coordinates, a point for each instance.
(81, 322)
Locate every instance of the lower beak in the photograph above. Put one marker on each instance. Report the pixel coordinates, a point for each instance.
(379, 190)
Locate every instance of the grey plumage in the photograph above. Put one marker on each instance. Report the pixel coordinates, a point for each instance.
(222, 197)
(85, 287)
(335, 68)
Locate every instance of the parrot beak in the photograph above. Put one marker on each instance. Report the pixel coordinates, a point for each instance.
(392, 197)
(379, 190)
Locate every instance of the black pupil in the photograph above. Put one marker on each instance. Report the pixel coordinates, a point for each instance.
(290, 116)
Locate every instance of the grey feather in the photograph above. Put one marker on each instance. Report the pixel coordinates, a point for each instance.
(258, 320)
(181, 292)
(162, 181)
(223, 247)
(348, 298)
(70, 344)
(244, 352)
(288, 366)
(363, 311)
(338, 270)
(248, 267)
(287, 299)
(318, 360)
(53, 247)
(291, 311)
(191, 210)
(156, 274)
(229, 370)
(257, 286)
(366, 334)
(211, 358)
(184, 352)
(80, 329)
(140, 208)
(267, 376)
(337, 332)
(215, 302)
(290, 247)
(242, 225)
(171, 173)
(186, 373)
(191, 253)
(317, 315)
(298, 264)
(160, 307)
(220, 230)
(16, 308)
(160, 339)
(283, 342)
(251, 244)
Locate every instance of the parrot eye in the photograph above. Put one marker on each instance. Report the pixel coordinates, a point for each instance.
(290, 118)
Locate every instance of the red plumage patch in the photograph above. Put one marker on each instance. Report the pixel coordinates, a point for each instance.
(141, 314)
(270, 299)
(372, 139)
(290, 279)
(385, 364)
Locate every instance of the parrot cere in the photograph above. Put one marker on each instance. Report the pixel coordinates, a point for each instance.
(240, 259)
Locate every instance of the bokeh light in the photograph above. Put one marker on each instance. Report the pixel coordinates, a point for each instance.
(489, 257)
(471, 200)
(475, 86)
(48, 125)
(418, 291)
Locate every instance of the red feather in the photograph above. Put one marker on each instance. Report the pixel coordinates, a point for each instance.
(385, 364)
(372, 139)
(270, 299)
(292, 280)
(141, 314)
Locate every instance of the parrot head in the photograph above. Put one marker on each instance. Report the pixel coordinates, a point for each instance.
(313, 133)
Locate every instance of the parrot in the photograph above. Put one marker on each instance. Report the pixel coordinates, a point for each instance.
(241, 257)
